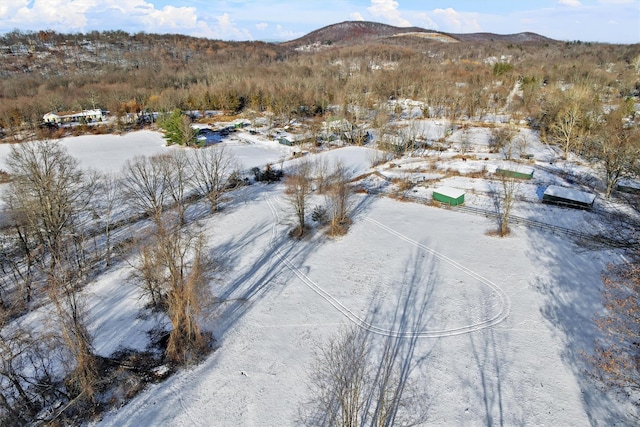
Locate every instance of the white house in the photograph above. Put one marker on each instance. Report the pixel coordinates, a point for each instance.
(86, 116)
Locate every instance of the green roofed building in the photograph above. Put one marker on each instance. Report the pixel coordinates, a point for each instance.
(449, 196)
(515, 171)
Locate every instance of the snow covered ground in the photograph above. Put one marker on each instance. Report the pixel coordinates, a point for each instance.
(500, 324)
(497, 326)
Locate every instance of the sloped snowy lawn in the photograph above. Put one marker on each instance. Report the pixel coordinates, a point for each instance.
(110, 152)
(496, 326)
(107, 152)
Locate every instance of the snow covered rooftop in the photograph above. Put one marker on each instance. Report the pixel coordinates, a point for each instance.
(515, 167)
(570, 194)
(454, 193)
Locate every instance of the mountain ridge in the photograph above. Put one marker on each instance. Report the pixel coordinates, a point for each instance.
(349, 32)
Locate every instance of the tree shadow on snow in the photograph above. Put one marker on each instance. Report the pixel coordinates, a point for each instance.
(571, 284)
(405, 350)
(250, 285)
(488, 381)
(396, 391)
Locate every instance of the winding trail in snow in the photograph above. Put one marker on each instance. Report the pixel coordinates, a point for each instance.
(503, 299)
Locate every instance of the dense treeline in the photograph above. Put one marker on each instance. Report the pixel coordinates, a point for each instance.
(47, 71)
(59, 234)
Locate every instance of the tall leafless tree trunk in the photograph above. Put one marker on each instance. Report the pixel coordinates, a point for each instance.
(298, 189)
(504, 200)
(188, 264)
(53, 192)
(339, 199)
(354, 385)
(144, 186)
(174, 269)
(178, 175)
(71, 316)
(109, 195)
(27, 382)
(211, 168)
(616, 146)
(340, 378)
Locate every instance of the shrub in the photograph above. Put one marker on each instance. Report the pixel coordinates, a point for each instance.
(268, 175)
(320, 215)
(500, 68)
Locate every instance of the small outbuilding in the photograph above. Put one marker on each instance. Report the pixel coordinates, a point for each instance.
(628, 186)
(449, 196)
(286, 140)
(568, 197)
(515, 171)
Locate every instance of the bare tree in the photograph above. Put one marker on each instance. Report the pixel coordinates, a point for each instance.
(298, 188)
(616, 146)
(109, 194)
(144, 186)
(148, 273)
(27, 380)
(321, 173)
(504, 200)
(173, 272)
(52, 192)
(71, 316)
(566, 130)
(522, 144)
(19, 252)
(500, 140)
(616, 357)
(355, 383)
(339, 380)
(49, 189)
(339, 199)
(177, 171)
(211, 169)
(188, 265)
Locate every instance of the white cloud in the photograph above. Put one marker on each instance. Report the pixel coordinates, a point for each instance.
(262, 26)
(571, 3)
(171, 18)
(63, 14)
(226, 29)
(356, 16)
(388, 10)
(288, 34)
(132, 16)
(452, 21)
(9, 8)
(425, 21)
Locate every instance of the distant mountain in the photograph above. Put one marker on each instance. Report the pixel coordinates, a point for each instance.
(509, 38)
(358, 32)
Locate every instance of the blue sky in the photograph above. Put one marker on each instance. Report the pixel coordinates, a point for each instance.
(612, 21)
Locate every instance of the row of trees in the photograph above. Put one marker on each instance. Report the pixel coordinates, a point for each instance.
(333, 182)
(164, 73)
(59, 234)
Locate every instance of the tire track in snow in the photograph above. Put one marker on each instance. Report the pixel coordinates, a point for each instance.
(505, 305)
(361, 323)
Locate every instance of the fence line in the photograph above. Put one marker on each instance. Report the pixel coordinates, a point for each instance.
(513, 219)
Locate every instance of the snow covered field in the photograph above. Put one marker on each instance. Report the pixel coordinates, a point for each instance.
(499, 324)
(497, 327)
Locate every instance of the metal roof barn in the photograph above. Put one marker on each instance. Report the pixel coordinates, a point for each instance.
(568, 197)
(515, 171)
(450, 196)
